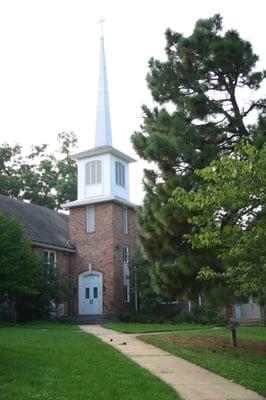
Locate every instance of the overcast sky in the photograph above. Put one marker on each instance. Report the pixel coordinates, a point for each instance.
(50, 53)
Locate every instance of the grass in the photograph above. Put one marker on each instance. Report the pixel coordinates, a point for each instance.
(242, 365)
(59, 362)
(149, 328)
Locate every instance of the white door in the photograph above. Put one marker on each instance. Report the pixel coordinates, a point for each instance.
(90, 295)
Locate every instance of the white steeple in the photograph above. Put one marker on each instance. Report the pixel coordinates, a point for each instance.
(103, 133)
(103, 172)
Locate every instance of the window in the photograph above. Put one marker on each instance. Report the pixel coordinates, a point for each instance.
(93, 171)
(90, 219)
(87, 293)
(126, 283)
(49, 257)
(126, 254)
(49, 271)
(125, 220)
(119, 174)
(126, 274)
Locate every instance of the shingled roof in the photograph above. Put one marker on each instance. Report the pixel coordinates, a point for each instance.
(41, 225)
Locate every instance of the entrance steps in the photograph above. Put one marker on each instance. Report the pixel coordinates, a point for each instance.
(250, 322)
(96, 319)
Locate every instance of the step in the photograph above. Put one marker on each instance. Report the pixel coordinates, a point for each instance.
(250, 322)
(88, 319)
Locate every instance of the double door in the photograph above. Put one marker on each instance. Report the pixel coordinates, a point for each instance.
(90, 295)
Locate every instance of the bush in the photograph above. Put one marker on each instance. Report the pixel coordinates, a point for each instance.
(182, 316)
(131, 316)
(208, 315)
(205, 315)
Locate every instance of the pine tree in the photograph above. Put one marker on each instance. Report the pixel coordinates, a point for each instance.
(200, 112)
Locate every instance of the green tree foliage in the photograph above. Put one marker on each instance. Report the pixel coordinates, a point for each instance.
(24, 278)
(51, 288)
(229, 214)
(199, 114)
(140, 284)
(10, 162)
(18, 263)
(41, 177)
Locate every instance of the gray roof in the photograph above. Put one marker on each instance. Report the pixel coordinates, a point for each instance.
(41, 225)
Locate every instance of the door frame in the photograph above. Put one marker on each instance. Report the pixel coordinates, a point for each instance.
(85, 274)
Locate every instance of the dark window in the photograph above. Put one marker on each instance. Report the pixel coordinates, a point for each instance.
(126, 294)
(126, 285)
(95, 293)
(125, 254)
(49, 257)
(87, 292)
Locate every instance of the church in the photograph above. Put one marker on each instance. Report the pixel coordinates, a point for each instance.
(93, 243)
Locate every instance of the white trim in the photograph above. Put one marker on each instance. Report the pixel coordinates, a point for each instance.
(92, 272)
(96, 151)
(200, 300)
(97, 199)
(51, 246)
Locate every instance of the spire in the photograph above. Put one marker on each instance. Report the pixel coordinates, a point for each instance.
(103, 133)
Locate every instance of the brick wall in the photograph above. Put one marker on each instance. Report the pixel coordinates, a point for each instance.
(121, 240)
(103, 248)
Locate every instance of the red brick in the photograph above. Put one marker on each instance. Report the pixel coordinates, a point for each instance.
(103, 248)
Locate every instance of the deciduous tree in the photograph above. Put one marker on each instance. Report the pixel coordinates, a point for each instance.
(18, 263)
(43, 177)
(229, 214)
(25, 279)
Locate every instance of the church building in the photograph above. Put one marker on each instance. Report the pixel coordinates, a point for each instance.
(102, 220)
(92, 245)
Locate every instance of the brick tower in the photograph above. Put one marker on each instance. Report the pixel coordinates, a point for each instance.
(102, 219)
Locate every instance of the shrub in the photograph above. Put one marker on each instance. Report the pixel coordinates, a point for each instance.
(208, 315)
(199, 315)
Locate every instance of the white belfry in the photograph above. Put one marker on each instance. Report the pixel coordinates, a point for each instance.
(103, 133)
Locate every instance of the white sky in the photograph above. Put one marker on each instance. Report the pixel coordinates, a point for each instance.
(49, 63)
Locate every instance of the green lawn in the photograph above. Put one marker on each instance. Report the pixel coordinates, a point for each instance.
(58, 362)
(148, 328)
(245, 365)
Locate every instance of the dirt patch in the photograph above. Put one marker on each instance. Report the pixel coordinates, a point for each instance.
(214, 343)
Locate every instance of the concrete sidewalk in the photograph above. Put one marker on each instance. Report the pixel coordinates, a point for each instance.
(189, 380)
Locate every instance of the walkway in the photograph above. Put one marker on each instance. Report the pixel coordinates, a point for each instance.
(189, 380)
